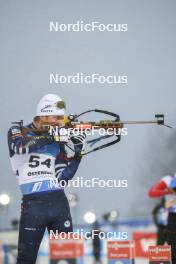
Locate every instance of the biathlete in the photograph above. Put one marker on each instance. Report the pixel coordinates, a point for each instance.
(166, 188)
(40, 164)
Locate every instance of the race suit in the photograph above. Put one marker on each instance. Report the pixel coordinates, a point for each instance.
(40, 165)
(163, 188)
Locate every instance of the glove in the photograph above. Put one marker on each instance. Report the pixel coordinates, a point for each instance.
(79, 142)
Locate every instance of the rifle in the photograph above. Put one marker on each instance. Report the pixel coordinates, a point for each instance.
(72, 122)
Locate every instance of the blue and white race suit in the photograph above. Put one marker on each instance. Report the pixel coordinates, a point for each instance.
(40, 164)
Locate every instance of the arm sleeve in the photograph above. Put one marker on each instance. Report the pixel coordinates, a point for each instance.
(19, 145)
(65, 169)
(158, 190)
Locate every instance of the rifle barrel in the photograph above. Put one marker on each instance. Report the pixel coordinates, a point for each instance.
(139, 122)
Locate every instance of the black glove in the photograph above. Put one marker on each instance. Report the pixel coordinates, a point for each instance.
(79, 142)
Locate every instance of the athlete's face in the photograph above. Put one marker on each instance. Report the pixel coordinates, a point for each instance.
(52, 120)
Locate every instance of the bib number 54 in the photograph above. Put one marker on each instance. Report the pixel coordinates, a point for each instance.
(34, 161)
